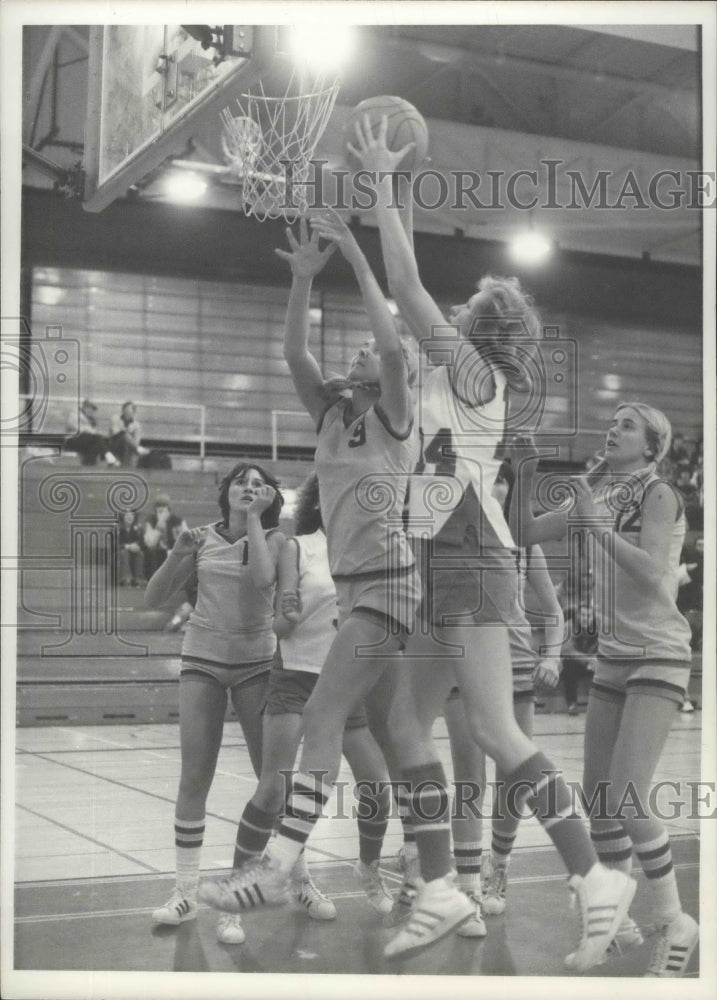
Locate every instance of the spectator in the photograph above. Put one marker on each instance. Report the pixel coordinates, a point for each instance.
(84, 437)
(130, 552)
(160, 532)
(126, 436)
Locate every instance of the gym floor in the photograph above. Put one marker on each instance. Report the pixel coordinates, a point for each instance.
(94, 856)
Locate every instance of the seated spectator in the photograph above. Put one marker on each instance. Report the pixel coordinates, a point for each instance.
(126, 436)
(130, 552)
(86, 439)
(160, 532)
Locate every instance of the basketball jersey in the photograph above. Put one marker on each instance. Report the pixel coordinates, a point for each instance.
(451, 489)
(307, 645)
(363, 467)
(633, 623)
(232, 621)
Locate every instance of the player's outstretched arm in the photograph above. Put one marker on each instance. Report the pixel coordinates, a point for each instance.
(415, 304)
(396, 399)
(306, 261)
(176, 569)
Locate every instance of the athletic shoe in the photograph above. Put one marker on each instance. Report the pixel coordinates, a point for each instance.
(409, 863)
(494, 888)
(574, 709)
(602, 899)
(475, 926)
(318, 906)
(687, 706)
(179, 909)
(373, 885)
(439, 909)
(628, 937)
(229, 929)
(258, 883)
(674, 946)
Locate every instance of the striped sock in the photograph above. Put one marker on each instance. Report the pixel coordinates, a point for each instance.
(655, 856)
(188, 840)
(374, 805)
(253, 833)
(304, 805)
(613, 846)
(467, 856)
(403, 801)
(549, 798)
(501, 847)
(429, 810)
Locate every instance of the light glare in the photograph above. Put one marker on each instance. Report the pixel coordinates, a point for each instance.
(530, 247)
(185, 186)
(322, 48)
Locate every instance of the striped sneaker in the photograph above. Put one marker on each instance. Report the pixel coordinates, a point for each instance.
(602, 900)
(494, 888)
(673, 948)
(229, 929)
(179, 909)
(308, 894)
(439, 909)
(628, 937)
(258, 883)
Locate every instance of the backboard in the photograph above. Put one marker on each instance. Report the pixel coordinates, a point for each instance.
(147, 87)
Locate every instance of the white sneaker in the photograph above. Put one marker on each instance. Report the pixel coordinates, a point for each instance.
(373, 885)
(229, 929)
(179, 909)
(494, 888)
(475, 926)
(439, 909)
(259, 883)
(674, 946)
(602, 899)
(308, 894)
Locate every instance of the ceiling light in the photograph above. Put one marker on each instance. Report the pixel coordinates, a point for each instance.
(530, 247)
(322, 48)
(185, 186)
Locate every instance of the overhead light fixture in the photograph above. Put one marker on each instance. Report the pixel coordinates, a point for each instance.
(185, 186)
(322, 48)
(530, 247)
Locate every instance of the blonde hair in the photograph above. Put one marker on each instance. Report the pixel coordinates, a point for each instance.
(510, 306)
(658, 431)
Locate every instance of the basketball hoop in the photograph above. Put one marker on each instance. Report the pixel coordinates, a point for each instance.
(270, 141)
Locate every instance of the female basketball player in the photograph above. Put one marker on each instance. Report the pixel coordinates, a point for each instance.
(366, 450)
(306, 624)
(467, 557)
(229, 646)
(636, 520)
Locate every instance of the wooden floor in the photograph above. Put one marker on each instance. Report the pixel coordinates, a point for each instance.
(94, 856)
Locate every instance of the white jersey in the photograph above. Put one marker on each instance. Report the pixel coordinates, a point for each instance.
(633, 624)
(232, 621)
(453, 483)
(307, 645)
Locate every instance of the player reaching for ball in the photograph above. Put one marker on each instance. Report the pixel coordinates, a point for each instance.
(467, 559)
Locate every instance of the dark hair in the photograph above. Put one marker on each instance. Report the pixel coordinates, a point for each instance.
(270, 517)
(308, 514)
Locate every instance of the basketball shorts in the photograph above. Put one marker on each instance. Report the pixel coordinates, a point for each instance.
(226, 675)
(464, 588)
(613, 680)
(289, 690)
(390, 599)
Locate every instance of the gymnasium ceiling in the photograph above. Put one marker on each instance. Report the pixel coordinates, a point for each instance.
(621, 99)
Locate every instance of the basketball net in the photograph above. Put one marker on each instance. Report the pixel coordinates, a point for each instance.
(269, 143)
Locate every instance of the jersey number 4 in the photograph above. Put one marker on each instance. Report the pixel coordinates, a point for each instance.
(439, 452)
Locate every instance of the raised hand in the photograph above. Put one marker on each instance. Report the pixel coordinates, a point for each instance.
(305, 259)
(188, 541)
(584, 504)
(262, 501)
(522, 448)
(330, 226)
(371, 150)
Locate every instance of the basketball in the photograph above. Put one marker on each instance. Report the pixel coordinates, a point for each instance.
(405, 124)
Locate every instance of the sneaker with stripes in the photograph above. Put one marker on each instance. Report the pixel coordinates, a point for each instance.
(628, 937)
(177, 910)
(370, 880)
(602, 900)
(673, 948)
(494, 888)
(307, 894)
(229, 929)
(439, 909)
(256, 884)
(475, 926)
